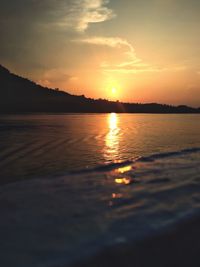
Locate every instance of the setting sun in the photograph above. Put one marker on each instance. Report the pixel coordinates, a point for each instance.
(114, 90)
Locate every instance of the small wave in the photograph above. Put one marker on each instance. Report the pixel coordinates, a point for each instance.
(103, 168)
(170, 154)
(151, 158)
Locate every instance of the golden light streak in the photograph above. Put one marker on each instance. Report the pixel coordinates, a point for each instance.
(112, 138)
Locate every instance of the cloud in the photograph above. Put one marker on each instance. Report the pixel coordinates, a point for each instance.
(133, 68)
(107, 41)
(138, 66)
(130, 64)
(79, 14)
(113, 42)
(84, 12)
(74, 14)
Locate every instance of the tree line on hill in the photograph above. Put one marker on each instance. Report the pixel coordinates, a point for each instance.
(20, 95)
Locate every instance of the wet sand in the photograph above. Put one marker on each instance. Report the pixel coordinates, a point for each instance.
(179, 246)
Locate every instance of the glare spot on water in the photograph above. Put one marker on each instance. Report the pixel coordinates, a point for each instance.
(124, 181)
(124, 169)
(116, 195)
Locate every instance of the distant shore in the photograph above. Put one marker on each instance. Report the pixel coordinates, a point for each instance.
(177, 247)
(20, 95)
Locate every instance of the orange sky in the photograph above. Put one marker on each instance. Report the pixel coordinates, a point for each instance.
(135, 51)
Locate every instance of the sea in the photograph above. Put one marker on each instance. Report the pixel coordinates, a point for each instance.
(73, 185)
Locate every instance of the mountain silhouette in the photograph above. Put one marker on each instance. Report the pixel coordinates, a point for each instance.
(18, 95)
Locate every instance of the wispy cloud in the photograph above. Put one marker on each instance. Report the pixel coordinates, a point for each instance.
(113, 42)
(133, 68)
(138, 66)
(107, 41)
(79, 14)
(131, 63)
(94, 11)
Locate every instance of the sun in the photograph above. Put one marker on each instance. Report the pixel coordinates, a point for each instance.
(114, 90)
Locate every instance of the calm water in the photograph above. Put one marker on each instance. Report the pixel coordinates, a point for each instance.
(149, 180)
(50, 145)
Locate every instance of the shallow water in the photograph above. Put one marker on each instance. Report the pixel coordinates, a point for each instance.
(50, 145)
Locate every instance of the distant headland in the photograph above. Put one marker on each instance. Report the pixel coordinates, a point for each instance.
(20, 95)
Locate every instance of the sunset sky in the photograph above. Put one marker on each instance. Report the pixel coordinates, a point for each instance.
(131, 50)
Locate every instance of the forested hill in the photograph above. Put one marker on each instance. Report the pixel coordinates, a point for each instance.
(18, 95)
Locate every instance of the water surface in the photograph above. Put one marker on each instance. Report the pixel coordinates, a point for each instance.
(73, 185)
(42, 145)
(58, 221)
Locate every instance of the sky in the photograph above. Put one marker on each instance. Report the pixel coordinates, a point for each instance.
(128, 50)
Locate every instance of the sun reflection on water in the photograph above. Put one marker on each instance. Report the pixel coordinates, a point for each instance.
(111, 151)
(113, 121)
(117, 195)
(124, 169)
(124, 180)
